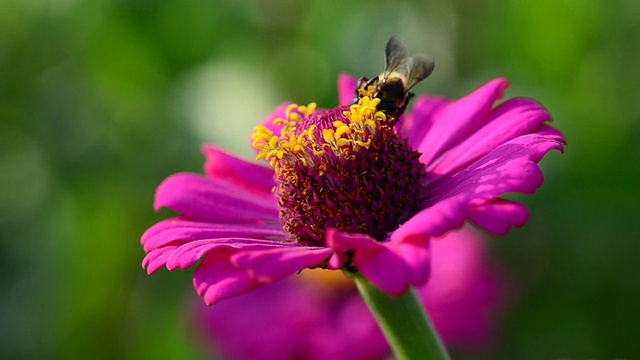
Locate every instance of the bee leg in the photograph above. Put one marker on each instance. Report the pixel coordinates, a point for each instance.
(371, 81)
(405, 103)
(356, 92)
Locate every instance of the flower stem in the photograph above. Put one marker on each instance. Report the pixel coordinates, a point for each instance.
(404, 322)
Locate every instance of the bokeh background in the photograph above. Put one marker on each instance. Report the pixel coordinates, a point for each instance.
(101, 100)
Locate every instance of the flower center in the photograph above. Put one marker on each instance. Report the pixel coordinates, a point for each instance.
(346, 168)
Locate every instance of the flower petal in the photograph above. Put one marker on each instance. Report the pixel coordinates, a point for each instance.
(346, 88)
(216, 279)
(512, 167)
(198, 197)
(509, 120)
(465, 290)
(498, 216)
(187, 255)
(459, 119)
(390, 266)
(269, 265)
(386, 270)
(434, 220)
(177, 231)
(271, 322)
(157, 258)
(184, 255)
(250, 176)
(417, 255)
(230, 271)
(420, 120)
(492, 176)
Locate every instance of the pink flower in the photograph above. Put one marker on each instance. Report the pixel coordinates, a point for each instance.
(301, 318)
(354, 189)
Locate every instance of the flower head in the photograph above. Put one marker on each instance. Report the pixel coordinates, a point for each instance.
(355, 189)
(346, 168)
(319, 314)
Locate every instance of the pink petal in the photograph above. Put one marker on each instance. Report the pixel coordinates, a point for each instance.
(498, 216)
(187, 255)
(420, 120)
(464, 291)
(459, 119)
(342, 242)
(380, 266)
(512, 167)
(265, 266)
(390, 266)
(545, 139)
(386, 270)
(417, 256)
(346, 88)
(250, 176)
(197, 197)
(509, 120)
(229, 271)
(509, 168)
(434, 220)
(491, 177)
(157, 258)
(178, 231)
(216, 279)
(271, 322)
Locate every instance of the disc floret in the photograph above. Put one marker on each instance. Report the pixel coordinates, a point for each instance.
(345, 168)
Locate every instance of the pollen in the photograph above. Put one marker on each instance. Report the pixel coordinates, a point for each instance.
(346, 168)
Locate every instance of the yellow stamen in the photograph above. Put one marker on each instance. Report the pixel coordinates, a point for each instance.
(342, 140)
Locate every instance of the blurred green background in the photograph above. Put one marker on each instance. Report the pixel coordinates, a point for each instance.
(101, 100)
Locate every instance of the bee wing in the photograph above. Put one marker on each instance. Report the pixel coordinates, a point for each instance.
(417, 68)
(396, 54)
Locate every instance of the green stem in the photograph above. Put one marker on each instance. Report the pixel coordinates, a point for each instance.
(404, 322)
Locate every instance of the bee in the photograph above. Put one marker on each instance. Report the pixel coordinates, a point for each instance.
(401, 73)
